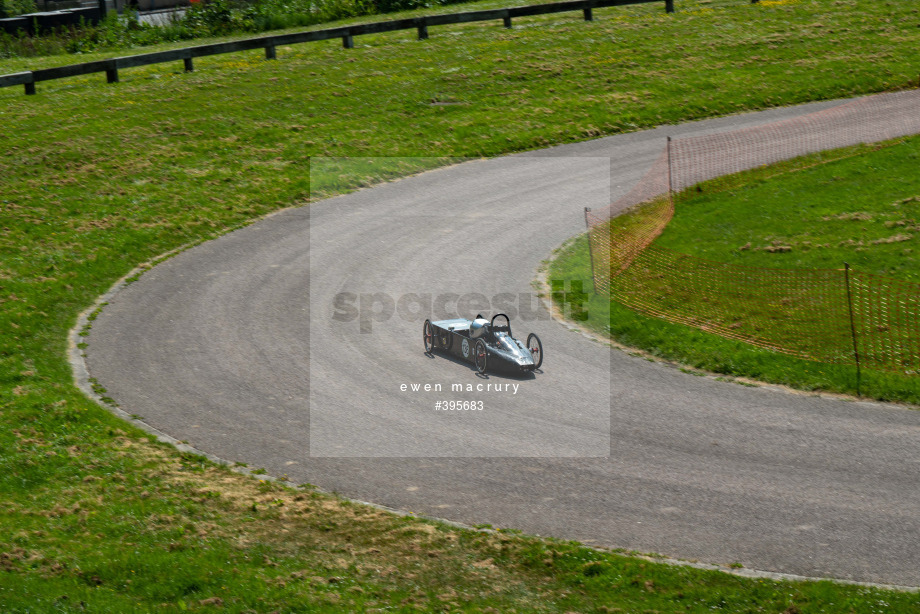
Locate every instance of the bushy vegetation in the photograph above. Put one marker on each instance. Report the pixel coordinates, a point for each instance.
(202, 19)
(12, 8)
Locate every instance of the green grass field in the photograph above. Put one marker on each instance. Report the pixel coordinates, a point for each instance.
(96, 178)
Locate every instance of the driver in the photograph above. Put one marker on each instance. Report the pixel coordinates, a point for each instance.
(479, 328)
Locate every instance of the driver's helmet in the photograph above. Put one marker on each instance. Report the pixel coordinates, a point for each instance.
(478, 327)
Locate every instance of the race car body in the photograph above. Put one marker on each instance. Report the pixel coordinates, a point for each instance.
(484, 343)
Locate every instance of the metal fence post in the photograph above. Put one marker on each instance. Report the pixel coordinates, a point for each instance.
(670, 176)
(846, 277)
(590, 250)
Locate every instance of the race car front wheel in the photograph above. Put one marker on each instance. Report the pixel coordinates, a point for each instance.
(479, 356)
(536, 349)
(428, 336)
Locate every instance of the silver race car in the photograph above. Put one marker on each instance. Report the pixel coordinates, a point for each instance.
(487, 344)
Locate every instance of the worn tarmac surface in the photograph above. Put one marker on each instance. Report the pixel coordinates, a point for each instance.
(251, 347)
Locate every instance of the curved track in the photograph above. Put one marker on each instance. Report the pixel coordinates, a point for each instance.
(235, 346)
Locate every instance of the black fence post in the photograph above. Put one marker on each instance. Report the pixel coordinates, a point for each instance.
(103, 10)
(506, 20)
(111, 72)
(422, 28)
(846, 277)
(348, 41)
(669, 6)
(590, 249)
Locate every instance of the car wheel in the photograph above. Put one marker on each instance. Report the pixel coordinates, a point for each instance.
(536, 349)
(428, 336)
(480, 356)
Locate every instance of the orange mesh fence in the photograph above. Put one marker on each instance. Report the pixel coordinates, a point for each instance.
(810, 314)
(886, 313)
(617, 239)
(803, 313)
(866, 120)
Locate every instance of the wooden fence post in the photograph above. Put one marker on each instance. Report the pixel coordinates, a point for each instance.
(348, 41)
(270, 51)
(669, 6)
(111, 72)
(422, 29)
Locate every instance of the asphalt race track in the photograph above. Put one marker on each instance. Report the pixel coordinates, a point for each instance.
(286, 345)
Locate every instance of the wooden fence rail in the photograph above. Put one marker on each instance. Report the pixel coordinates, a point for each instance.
(347, 33)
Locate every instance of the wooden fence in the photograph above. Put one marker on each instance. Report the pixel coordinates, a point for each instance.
(347, 33)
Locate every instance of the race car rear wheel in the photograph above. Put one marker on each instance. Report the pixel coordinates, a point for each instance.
(428, 336)
(536, 349)
(480, 357)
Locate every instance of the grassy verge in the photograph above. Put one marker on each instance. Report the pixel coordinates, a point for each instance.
(189, 536)
(857, 205)
(98, 178)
